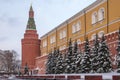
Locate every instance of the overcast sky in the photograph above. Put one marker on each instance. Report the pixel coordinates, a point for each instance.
(48, 14)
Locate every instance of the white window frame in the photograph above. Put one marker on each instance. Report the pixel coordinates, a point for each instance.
(62, 34)
(62, 47)
(78, 25)
(73, 28)
(78, 41)
(44, 43)
(73, 43)
(52, 39)
(101, 14)
(100, 34)
(94, 17)
(93, 36)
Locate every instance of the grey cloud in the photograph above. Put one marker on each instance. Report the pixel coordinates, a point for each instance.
(3, 39)
(12, 21)
(10, 1)
(7, 1)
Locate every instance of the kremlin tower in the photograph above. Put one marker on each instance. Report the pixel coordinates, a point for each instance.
(30, 42)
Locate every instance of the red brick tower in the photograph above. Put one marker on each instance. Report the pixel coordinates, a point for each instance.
(30, 43)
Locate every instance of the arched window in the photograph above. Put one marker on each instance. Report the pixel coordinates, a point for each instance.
(44, 43)
(60, 48)
(94, 17)
(101, 14)
(100, 34)
(78, 25)
(64, 33)
(60, 35)
(93, 36)
(78, 41)
(64, 47)
(52, 39)
(73, 43)
(73, 28)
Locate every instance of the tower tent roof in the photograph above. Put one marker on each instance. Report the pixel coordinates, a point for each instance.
(31, 23)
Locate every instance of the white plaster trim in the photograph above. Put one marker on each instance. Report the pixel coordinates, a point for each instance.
(62, 26)
(52, 32)
(77, 16)
(93, 6)
(112, 32)
(96, 29)
(44, 37)
(112, 42)
(112, 22)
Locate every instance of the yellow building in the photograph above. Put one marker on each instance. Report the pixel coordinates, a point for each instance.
(103, 16)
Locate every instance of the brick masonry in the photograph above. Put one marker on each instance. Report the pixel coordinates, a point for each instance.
(112, 40)
(93, 77)
(116, 77)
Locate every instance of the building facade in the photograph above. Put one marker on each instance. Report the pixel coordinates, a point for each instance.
(101, 17)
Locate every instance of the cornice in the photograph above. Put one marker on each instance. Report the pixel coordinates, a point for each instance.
(76, 16)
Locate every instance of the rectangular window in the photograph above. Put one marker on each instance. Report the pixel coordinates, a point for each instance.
(62, 34)
(73, 29)
(62, 47)
(76, 27)
(44, 43)
(52, 39)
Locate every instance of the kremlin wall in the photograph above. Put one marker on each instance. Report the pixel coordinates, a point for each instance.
(101, 17)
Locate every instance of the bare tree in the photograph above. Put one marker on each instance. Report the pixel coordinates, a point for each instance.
(8, 60)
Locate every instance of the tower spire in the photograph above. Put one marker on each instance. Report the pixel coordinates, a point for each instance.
(31, 9)
(31, 23)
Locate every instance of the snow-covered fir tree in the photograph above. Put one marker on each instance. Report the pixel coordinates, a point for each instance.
(118, 54)
(59, 65)
(86, 63)
(54, 61)
(51, 62)
(75, 56)
(69, 59)
(104, 59)
(78, 61)
(48, 64)
(94, 55)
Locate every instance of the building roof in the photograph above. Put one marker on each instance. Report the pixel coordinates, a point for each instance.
(74, 16)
